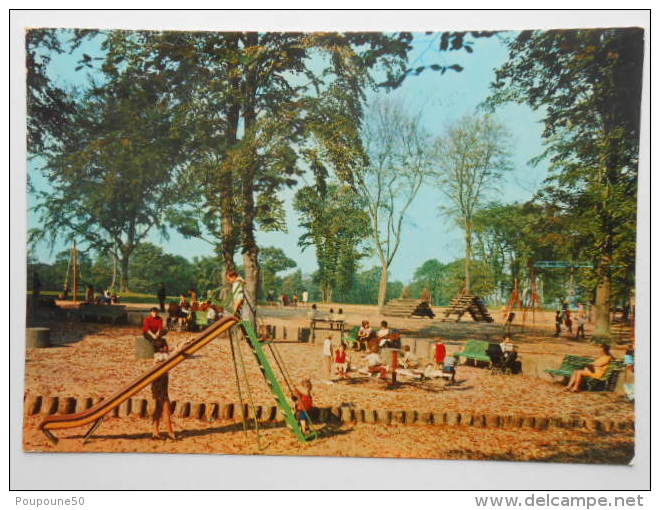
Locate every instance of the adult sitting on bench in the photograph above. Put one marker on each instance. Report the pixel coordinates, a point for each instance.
(597, 370)
(154, 331)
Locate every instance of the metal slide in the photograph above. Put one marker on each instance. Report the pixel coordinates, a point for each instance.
(96, 413)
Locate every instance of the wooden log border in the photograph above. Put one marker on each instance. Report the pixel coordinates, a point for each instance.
(214, 411)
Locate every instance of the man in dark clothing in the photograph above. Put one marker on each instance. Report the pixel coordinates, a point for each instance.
(162, 295)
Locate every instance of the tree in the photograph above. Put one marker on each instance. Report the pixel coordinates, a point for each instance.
(272, 261)
(430, 275)
(470, 158)
(336, 225)
(588, 84)
(398, 160)
(116, 176)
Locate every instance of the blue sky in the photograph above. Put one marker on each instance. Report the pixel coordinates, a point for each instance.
(442, 99)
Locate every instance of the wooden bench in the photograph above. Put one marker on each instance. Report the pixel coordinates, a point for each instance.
(475, 350)
(114, 313)
(608, 381)
(569, 364)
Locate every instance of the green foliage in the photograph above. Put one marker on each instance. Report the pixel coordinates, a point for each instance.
(588, 84)
(115, 175)
(272, 261)
(470, 159)
(336, 226)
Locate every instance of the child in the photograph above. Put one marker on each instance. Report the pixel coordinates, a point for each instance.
(339, 316)
(558, 321)
(409, 360)
(375, 365)
(163, 408)
(440, 353)
(581, 321)
(304, 404)
(449, 367)
(341, 360)
(364, 334)
(568, 321)
(313, 313)
(327, 356)
(331, 318)
(383, 335)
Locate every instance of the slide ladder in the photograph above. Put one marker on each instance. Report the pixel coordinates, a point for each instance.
(273, 383)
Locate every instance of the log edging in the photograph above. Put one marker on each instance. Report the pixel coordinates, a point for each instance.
(212, 411)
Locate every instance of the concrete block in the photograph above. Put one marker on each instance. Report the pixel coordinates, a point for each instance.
(143, 348)
(37, 338)
(426, 418)
(124, 409)
(492, 420)
(541, 423)
(227, 412)
(183, 410)
(452, 418)
(466, 418)
(528, 421)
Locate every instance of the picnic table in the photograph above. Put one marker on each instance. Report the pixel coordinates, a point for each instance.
(321, 324)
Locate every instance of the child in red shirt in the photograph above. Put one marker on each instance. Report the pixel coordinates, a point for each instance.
(440, 353)
(304, 404)
(341, 360)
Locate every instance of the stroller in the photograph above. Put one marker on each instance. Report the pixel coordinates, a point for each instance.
(502, 362)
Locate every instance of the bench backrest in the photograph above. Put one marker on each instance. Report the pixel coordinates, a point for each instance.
(353, 333)
(476, 347)
(572, 362)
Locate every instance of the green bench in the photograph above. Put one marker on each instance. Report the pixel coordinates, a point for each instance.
(113, 313)
(200, 319)
(608, 381)
(351, 337)
(475, 350)
(569, 364)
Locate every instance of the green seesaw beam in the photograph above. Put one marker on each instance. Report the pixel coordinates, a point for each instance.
(273, 383)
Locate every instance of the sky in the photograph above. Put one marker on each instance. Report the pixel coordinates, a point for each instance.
(441, 99)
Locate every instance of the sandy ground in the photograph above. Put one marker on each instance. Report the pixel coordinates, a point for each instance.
(93, 360)
(362, 440)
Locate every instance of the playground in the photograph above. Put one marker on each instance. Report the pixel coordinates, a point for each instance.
(90, 360)
(244, 242)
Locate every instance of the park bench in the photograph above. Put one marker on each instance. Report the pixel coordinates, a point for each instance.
(475, 350)
(351, 338)
(114, 313)
(569, 364)
(608, 381)
(200, 319)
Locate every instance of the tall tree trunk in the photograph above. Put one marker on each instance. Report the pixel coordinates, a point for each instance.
(603, 303)
(227, 186)
(248, 176)
(382, 288)
(124, 271)
(468, 257)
